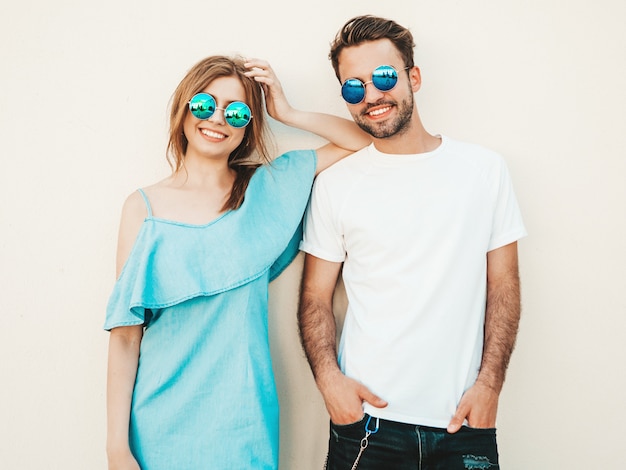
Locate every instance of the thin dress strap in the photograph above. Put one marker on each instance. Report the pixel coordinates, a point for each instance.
(145, 199)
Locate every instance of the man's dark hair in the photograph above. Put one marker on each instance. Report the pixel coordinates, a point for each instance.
(366, 28)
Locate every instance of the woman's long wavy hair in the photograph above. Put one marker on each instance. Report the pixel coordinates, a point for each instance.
(254, 148)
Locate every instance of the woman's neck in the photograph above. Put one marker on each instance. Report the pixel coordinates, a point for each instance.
(205, 172)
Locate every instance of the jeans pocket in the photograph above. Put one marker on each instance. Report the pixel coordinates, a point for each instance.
(350, 431)
(479, 430)
(344, 426)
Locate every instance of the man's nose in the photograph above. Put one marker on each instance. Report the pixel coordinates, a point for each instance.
(372, 94)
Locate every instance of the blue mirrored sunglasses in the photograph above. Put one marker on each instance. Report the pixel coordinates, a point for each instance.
(236, 114)
(384, 78)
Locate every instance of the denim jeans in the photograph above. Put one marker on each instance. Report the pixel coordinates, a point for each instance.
(400, 446)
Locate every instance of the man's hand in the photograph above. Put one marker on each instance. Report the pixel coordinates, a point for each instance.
(344, 398)
(479, 405)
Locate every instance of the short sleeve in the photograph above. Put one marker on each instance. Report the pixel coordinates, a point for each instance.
(300, 179)
(508, 225)
(283, 181)
(322, 235)
(287, 256)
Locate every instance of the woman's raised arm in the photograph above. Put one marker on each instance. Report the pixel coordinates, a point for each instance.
(343, 135)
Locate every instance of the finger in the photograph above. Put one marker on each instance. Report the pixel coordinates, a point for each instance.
(457, 420)
(261, 75)
(256, 72)
(372, 399)
(258, 66)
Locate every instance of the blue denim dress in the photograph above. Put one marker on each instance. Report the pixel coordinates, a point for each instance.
(205, 396)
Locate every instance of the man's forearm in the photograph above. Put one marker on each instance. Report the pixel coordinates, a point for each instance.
(318, 330)
(501, 325)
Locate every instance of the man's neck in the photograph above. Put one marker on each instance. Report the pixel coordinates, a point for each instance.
(408, 143)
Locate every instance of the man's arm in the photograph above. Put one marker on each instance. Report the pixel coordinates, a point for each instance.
(343, 396)
(479, 404)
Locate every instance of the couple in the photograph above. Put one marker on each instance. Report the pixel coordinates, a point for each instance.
(424, 227)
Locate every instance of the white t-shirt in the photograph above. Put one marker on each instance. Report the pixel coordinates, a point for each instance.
(413, 232)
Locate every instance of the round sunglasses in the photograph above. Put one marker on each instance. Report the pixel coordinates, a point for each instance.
(384, 78)
(236, 114)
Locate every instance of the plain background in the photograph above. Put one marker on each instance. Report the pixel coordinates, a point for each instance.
(84, 88)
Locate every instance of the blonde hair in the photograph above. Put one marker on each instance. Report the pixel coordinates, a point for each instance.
(254, 148)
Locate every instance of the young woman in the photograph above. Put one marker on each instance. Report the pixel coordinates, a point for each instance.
(190, 383)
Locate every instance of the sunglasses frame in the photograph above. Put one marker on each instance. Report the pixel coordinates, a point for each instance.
(364, 84)
(239, 105)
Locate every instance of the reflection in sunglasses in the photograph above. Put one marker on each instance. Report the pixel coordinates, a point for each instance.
(203, 105)
(384, 78)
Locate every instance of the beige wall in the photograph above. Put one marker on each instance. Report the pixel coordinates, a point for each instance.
(83, 94)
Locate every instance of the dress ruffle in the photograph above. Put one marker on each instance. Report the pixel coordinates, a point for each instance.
(173, 262)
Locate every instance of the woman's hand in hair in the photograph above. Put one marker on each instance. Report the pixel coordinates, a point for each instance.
(275, 100)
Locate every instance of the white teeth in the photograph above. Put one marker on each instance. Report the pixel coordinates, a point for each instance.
(215, 135)
(379, 111)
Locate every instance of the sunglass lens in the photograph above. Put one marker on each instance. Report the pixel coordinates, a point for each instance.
(353, 91)
(202, 106)
(385, 77)
(237, 114)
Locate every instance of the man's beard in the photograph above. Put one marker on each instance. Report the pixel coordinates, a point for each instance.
(388, 129)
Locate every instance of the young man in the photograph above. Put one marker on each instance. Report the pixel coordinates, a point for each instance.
(426, 229)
